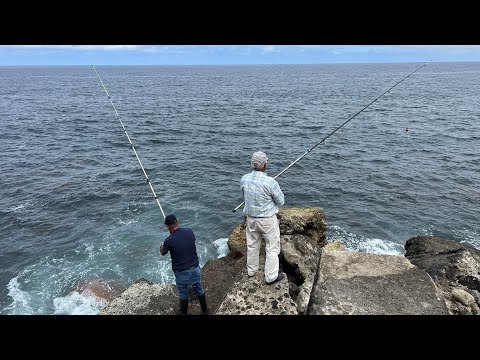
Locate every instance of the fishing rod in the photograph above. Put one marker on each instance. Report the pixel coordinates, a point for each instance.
(338, 128)
(131, 144)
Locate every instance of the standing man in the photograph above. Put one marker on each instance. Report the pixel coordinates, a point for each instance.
(181, 244)
(262, 196)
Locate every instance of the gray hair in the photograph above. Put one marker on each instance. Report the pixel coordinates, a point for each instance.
(259, 159)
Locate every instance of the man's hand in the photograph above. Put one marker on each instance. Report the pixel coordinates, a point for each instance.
(161, 250)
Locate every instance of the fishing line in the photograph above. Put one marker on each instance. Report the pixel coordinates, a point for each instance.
(338, 128)
(131, 144)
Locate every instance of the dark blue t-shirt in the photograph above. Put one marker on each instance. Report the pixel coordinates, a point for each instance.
(181, 244)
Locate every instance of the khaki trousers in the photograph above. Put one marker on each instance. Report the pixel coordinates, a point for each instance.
(269, 229)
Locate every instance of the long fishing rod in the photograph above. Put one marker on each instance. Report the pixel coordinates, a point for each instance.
(131, 144)
(338, 128)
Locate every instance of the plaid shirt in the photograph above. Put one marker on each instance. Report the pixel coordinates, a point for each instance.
(262, 194)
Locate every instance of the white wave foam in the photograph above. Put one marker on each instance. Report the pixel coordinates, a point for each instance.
(128, 222)
(21, 207)
(360, 243)
(425, 231)
(17, 208)
(379, 246)
(21, 299)
(75, 303)
(469, 237)
(222, 247)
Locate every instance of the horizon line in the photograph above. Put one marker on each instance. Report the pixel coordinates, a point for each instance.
(248, 64)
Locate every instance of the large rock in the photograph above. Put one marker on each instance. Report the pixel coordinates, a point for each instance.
(237, 241)
(362, 283)
(144, 298)
(454, 267)
(218, 277)
(310, 222)
(302, 234)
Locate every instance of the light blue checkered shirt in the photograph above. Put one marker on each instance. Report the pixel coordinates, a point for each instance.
(262, 194)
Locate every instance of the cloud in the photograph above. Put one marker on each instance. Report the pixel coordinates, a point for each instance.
(38, 46)
(268, 49)
(76, 47)
(106, 47)
(444, 49)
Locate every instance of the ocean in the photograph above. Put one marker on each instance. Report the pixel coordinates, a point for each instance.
(75, 208)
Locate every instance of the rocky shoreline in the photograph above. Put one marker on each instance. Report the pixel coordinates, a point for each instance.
(435, 277)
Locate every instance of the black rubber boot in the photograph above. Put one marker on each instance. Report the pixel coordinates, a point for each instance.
(182, 310)
(203, 304)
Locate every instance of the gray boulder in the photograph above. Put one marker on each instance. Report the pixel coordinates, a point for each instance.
(372, 284)
(454, 267)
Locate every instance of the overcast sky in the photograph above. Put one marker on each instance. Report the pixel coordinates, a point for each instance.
(230, 54)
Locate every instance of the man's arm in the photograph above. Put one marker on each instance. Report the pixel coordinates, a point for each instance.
(277, 194)
(163, 249)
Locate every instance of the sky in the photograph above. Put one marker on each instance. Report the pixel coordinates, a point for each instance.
(19, 55)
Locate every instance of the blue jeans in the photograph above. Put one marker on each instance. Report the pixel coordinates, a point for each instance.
(189, 277)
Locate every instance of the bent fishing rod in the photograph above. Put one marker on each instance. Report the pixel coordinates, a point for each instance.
(131, 144)
(338, 128)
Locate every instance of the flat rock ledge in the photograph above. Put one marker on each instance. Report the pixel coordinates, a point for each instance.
(251, 296)
(371, 284)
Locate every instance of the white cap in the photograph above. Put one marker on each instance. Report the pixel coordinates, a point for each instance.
(259, 158)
